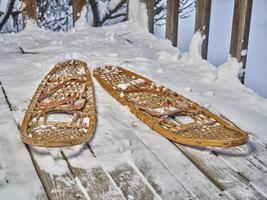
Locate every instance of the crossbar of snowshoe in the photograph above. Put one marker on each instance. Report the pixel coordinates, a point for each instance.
(207, 129)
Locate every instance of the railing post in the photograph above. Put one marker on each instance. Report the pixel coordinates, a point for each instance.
(151, 13)
(77, 6)
(240, 32)
(202, 23)
(127, 9)
(30, 9)
(172, 21)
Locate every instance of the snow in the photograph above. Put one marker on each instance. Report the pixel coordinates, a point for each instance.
(59, 117)
(118, 133)
(81, 187)
(190, 70)
(220, 36)
(194, 55)
(244, 52)
(229, 72)
(16, 169)
(104, 8)
(10, 25)
(122, 86)
(138, 13)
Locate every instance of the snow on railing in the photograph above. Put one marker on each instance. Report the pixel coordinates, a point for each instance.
(116, 8)
(240, 26)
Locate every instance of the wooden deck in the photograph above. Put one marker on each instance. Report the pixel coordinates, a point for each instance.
(236, 173)
(125, 159)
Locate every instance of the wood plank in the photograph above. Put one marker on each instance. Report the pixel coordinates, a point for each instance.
(95, 180)
(202, 23)
(63, 186)
(172, 21)
(60, 186)
(68, 185)
(151, 13)
(168, 171)
(16, 168)
(77, 6)
(182, 170)
(130, 183)
(221, 173)
(157, 175)
(250, 161)
(240, 32)
(79, 183)
(97, 183)
(101, 185)
(73, 183)
(30, 10)
(42, 196)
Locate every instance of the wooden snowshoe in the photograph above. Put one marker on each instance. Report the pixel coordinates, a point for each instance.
(62, 111)
(168, 113)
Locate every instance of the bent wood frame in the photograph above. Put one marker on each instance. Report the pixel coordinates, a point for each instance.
(155, 125)
(63, 143)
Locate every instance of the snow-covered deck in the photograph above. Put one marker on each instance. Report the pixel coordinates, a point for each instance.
(125, 159)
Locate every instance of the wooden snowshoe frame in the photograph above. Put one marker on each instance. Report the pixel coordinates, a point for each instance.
(66, 93)
(160, 108)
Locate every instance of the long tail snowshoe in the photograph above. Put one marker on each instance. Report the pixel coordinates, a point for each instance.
(168, 113)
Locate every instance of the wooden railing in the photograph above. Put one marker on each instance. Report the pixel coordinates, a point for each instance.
(240, 26)
(30, 10)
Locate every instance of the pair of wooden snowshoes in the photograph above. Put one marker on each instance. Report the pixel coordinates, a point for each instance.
(63, 113)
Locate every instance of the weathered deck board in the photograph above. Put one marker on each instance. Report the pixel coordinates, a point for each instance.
(155, 159)
(101, 180)
(60, 187)
(151, 168)
(57, 187)
(231, 180)
(65, 186)
(95, 180)
(160, 168)
(16, 169)
(222, 174)
(98, 184)
(250, 161)
(131, 184)
(219, 171)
